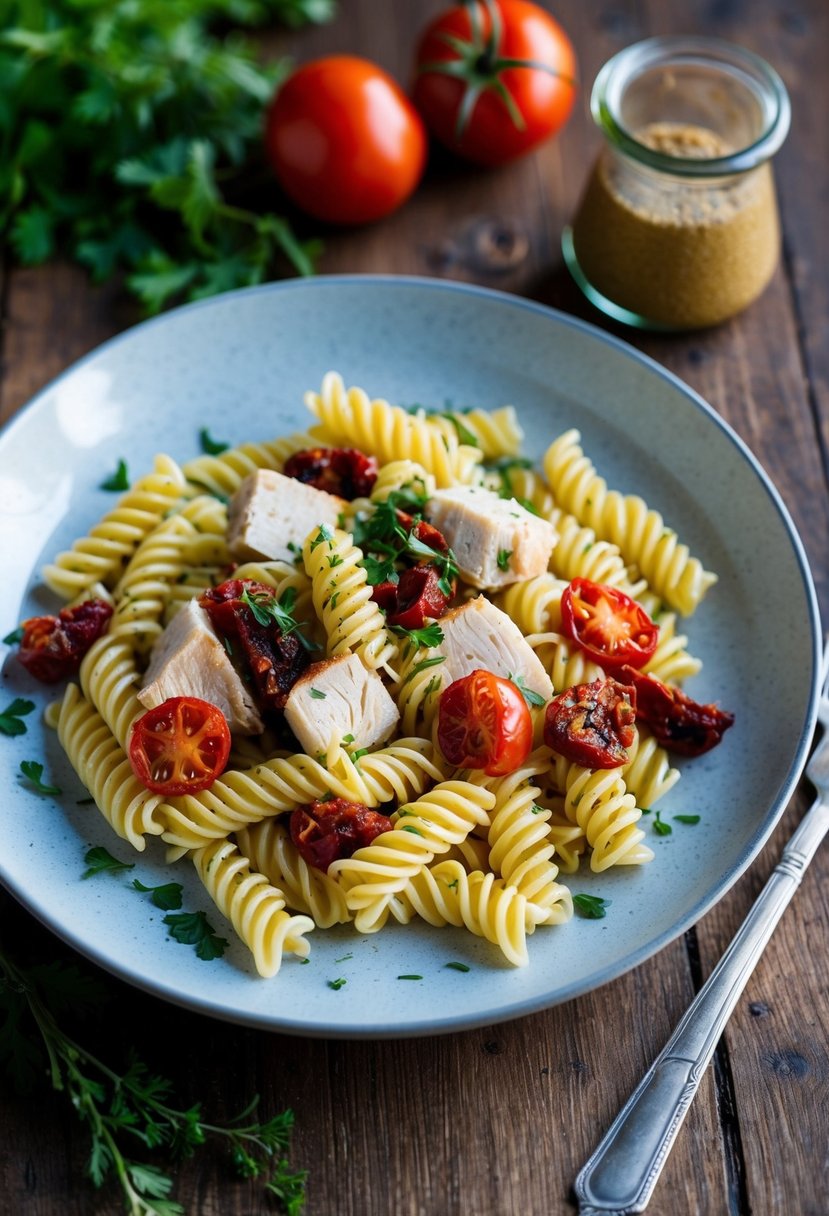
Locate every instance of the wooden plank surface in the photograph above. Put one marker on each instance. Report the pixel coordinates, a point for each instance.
(499, 1120)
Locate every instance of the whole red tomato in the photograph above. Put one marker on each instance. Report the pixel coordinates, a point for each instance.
(484, 722)
(344, 140)
(494, 79)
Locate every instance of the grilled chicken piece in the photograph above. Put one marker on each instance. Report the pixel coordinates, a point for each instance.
(495, 540)
(337, 698)
(479, 635)
(189, 660)
(269, 512)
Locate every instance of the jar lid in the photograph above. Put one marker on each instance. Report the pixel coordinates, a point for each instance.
(698, 81)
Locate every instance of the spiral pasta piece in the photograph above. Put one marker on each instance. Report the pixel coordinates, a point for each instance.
(271, 851)
(626, 521)
(131, 810)
(520, 848)
(435, 821)
(100, 556)
(578, 554)
(445, 894)
(400, 474)
(418, 688)
(565, 663)
(648, 774)
(255, 908)
(534, 603)
(223, 474)
(597, 800)
(496, 432)
(671, 662)
(389, 432)
(342, 599)
(110, 679)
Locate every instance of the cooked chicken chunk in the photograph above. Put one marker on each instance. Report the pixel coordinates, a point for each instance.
(337, 698)
(189, 660)
(269, 512)
(496, 541)
(479, 635)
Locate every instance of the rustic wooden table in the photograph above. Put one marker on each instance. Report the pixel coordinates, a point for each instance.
(498, 1120)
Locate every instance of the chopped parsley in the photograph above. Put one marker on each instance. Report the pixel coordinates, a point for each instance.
(317, 694)
(533, 699)
(268, 610)
(119, 480)
(422, 666)
(503, 559)
(14, 638)
(10, 718)
(100, 861)
(33, 772)
(324, 534)
(660, 827)
(337, 984)
(425, 638)
(687, 818)
(194, 929)
(591, 907)
(410, 977)
(457, 966)
(209, 445)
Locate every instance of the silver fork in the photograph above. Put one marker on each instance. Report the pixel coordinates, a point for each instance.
(621, 1174)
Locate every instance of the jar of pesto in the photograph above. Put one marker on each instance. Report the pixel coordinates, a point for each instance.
(678, 225)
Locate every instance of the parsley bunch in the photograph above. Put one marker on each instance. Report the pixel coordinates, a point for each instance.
(132, 1107)
(384, 540)
(128, 130)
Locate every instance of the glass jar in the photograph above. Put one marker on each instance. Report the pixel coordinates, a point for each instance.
(678, 225)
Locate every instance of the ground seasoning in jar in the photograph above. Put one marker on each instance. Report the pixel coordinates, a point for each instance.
(678, 226)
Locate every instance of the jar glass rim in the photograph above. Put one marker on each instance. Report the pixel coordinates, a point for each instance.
(754, 73)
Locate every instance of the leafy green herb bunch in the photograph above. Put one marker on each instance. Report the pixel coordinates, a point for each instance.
(126, 127)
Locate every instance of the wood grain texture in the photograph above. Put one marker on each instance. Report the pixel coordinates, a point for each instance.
(497, 1121)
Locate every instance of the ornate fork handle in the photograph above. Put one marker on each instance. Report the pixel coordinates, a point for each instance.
(621, 1174)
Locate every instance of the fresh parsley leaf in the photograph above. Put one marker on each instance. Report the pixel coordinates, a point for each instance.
(33, 772)
(268, 610)
(503, 559)
(119, 480)
(194, 929)
(410, 977)
(100, 861)
(317, 694)
(660, 827)
(591, 907)
(10, 718)
(425, 638)
(210, 446)
(379, 570)
(14, 638)
(533, 699)
(324, 534)
(337, 984)
(166, 895)
(457, 966)
(687, 819)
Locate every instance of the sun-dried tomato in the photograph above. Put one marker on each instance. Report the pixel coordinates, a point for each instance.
(678, 723)
(417, 596)
(328, 831)
(52, 646)
(345, 472)
(275, 660)
(592, 724)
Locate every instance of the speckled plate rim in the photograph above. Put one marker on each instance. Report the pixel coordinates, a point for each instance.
(444, 1023)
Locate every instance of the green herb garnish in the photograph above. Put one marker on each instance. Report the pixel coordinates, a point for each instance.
(210, 446)
(410, 977)
(324, 534)
(503, 559)
(687, 819)
(194, 929)
(591, 907)
(317, 694)
(33, 772)
(119, 480)
(660, 827)
(100, 861)
(425, 638)
(337, 984)
(167, 895)
(268, 610)
(422, 666)
(533, 699)
(14, 638)
(10, 718)
(457, 966)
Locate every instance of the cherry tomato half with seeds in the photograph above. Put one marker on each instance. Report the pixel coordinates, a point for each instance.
(592, 724)
(607, 624)
(180, 746)
(484, 723)
(345, 142)
(494, 79)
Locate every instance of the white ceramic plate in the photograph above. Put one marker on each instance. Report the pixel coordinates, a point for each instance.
(239, 364)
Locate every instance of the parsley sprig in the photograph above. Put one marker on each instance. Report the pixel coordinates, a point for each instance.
(384, 541)
(120, 1109)
(268, 610)
(10, 718)
(131, 137)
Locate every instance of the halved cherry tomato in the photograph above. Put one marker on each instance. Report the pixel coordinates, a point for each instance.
(678, 723)
(344, 140)
(52, 646)
(592, 724)
(327, 831)
(484, 722)
(494, 78)
(607, 624)
(180, 746)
